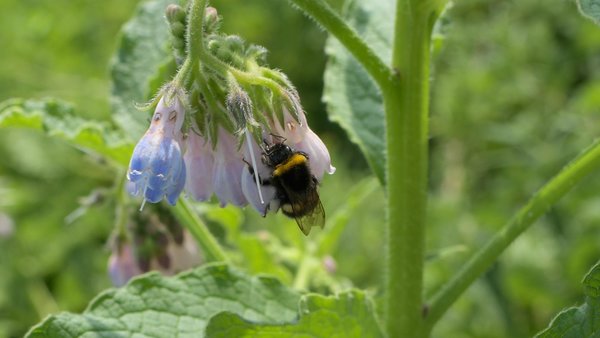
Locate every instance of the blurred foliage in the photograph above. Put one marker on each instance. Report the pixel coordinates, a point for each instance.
(515, 95)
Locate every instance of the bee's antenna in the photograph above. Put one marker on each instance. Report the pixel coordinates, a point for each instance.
(279, 137)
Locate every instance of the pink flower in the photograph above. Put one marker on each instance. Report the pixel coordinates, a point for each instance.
(200, 161)
(122, 265)
(300, 137)
(264, 200)
(227, 170)
(125, 261)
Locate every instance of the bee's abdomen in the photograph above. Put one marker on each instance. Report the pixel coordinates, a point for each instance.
(294, 172)
(297, 178)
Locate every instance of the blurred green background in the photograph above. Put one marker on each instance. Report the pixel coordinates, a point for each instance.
(515, 95)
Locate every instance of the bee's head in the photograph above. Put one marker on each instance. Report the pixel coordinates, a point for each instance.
(276, 153)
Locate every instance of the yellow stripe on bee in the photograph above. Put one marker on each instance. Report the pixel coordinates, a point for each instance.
(295, 160)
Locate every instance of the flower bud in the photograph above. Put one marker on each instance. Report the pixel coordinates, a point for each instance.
(239, 106)
(211, 20)
(329, 264)
(175, 13)
(178, 29)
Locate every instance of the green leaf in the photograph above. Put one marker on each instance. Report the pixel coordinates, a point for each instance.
(353, 100)
(142, 50)
(259, 259)
(56, 119)
(579, 321)
(347, 315)
(157, 306)
(590, 9)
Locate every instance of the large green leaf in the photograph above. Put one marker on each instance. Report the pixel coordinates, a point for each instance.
(353, 100)
(582, 321)
(157, 306)
(590, 9)
(348, 315)
(56, 119)
(142, 50)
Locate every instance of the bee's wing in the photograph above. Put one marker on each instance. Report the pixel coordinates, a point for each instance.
(300, 202)
(315, 218)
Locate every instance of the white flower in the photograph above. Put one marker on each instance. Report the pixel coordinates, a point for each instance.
(300, 137)
(122, 265)
(200, 161)
(262, 200)
(227, 170)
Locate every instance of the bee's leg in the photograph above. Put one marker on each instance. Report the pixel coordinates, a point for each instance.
(303, 154)
(256, 175)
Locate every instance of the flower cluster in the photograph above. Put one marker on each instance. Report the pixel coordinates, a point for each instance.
(153, 241)
(210, 126)
(165, 160)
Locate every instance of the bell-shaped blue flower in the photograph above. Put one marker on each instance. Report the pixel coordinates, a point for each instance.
(157, 168)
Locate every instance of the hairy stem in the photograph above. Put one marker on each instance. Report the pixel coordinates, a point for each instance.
(321, 12)
(195, 30)
(548, 195)
(406, 103)
(194, 43)
(189, 219)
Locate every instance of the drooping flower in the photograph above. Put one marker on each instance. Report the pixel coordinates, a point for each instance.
(300, 137)
(157, 169)
(199, 161)
(122, 265)
(154, 240)
(294, 132)
(227, 171)
(260, 196)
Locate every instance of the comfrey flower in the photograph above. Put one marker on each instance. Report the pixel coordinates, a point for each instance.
(154, 240)
(122, 265)
(238, 109)
(157, 169)
(199, 161)
(300, 137)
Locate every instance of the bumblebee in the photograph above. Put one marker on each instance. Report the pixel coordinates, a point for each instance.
(295, 185)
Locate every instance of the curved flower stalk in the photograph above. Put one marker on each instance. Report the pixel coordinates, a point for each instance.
(157, 169)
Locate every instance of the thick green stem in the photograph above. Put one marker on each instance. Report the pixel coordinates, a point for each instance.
(321, 12)
(188, 218)
(406, 107)
(539, 204)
